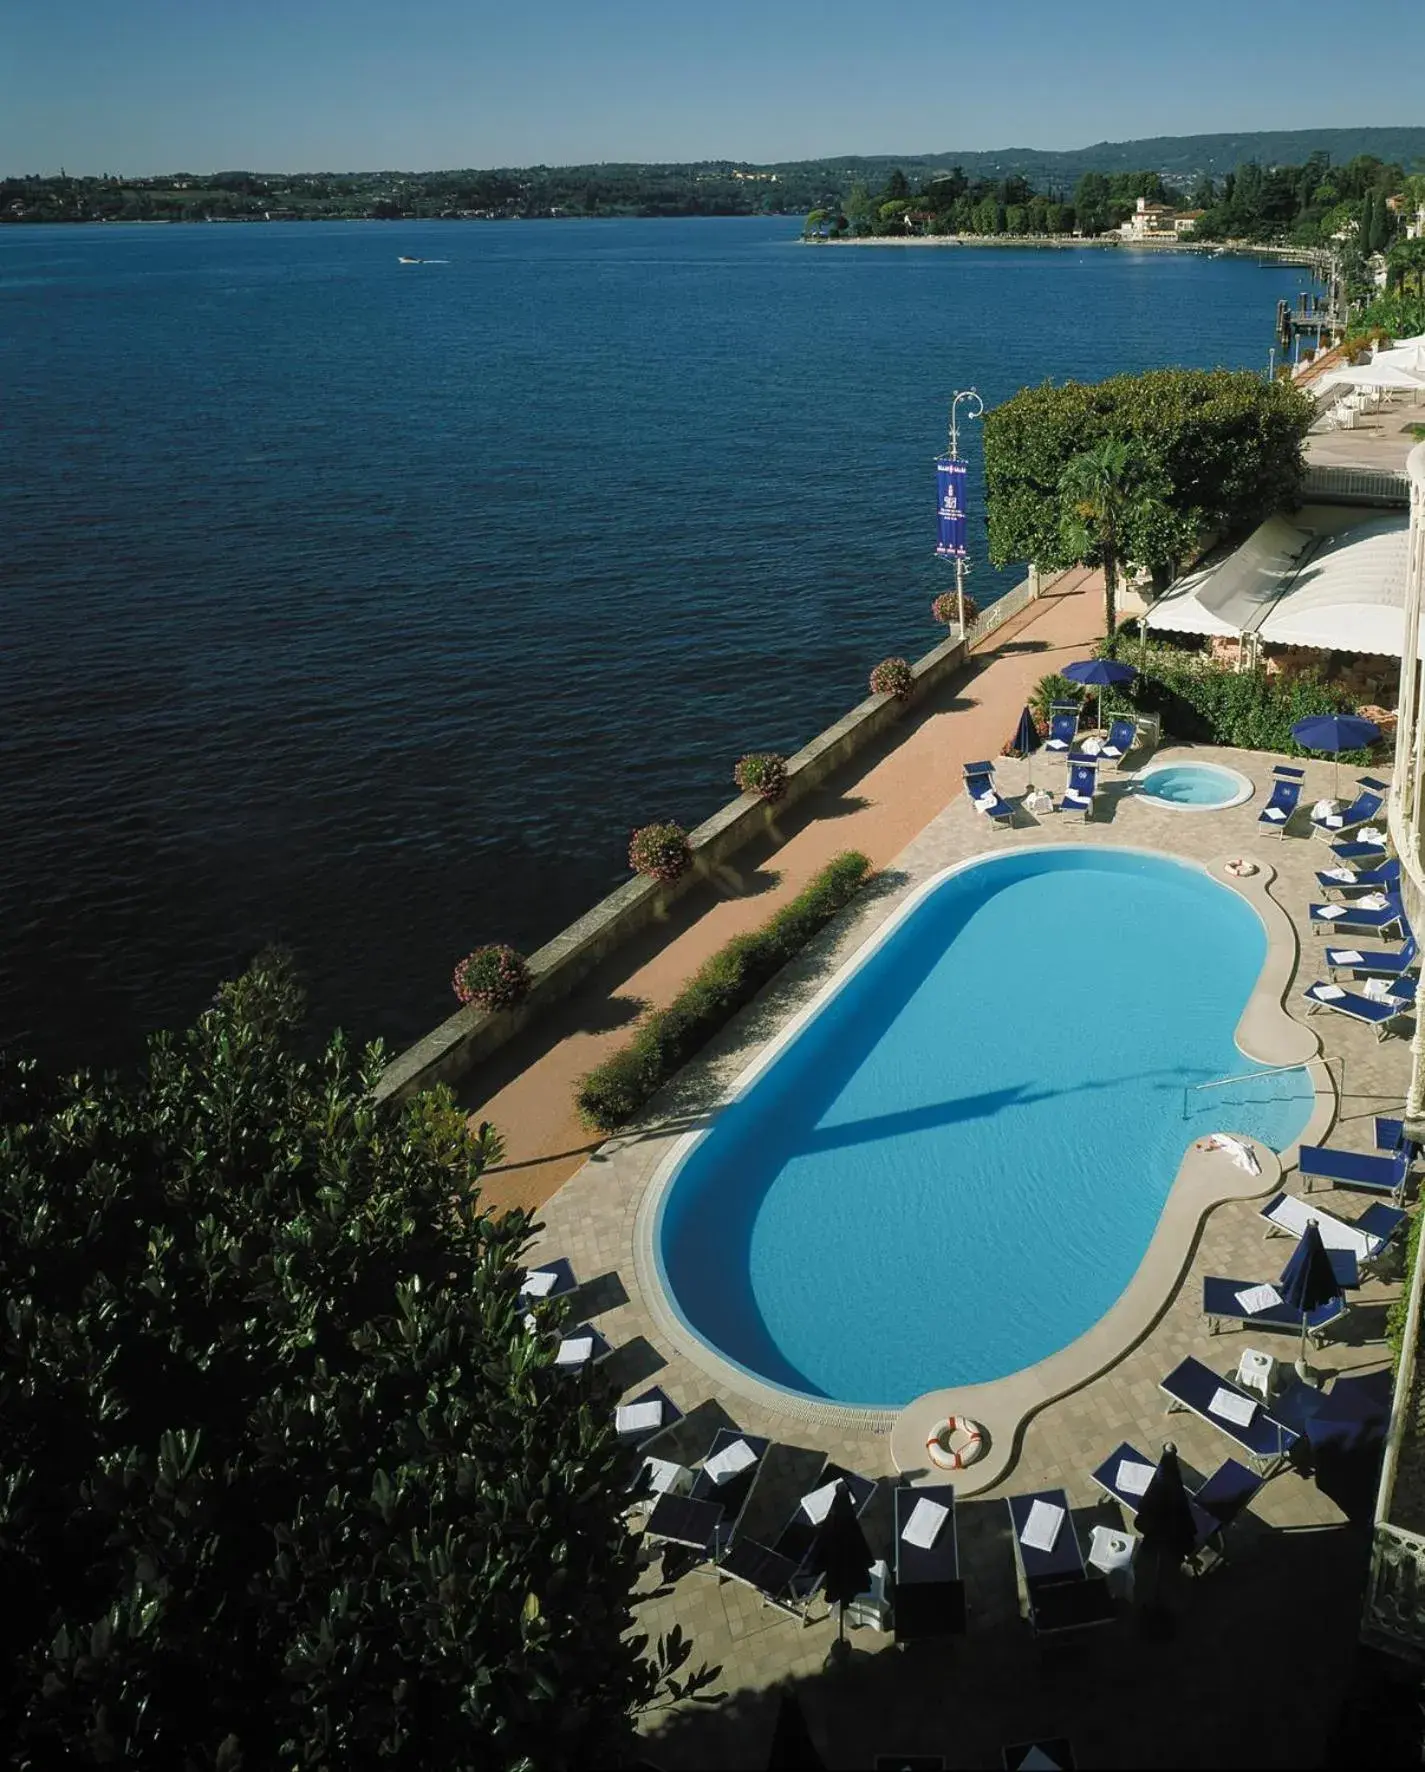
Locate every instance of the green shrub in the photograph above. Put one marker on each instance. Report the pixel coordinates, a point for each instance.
(946, 609)
(494, 977)
(1400, 1307)
(1048, 690)
(614, 1092)
(893, 676)
(762, 772)
(1212, 703)
(660, 851)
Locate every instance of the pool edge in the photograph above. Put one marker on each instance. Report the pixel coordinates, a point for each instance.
(1274, 1039)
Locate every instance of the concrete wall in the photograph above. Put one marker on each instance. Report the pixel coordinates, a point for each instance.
(450, 1051)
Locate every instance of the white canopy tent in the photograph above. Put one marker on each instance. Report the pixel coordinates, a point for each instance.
(1285, 586)
(1409, 357)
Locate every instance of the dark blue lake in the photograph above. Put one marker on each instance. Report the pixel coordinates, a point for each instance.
(367, 606)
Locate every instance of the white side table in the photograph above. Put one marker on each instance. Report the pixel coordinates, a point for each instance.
(1257, 1372)
(1111, 1553)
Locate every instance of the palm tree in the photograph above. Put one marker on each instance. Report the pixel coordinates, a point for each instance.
(1104, 491)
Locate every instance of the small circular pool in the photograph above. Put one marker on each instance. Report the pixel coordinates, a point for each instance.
(1194, 787)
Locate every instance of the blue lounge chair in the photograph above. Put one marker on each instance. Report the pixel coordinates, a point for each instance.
(1380, 965)
(1078, 795)
(1326, 917)
(1277, 813)
(1063, 727)
(985, 797)
(1263, 1438)
(1367, 1238)
(1343, 879)
(572, 1355)
(798, 1537)
(1056, 1591)
(1390, 1136)
(729, 1491)
(930, 1592)
(1362, 810)
(1373, 1175)
(1361, 852)
(1357, 1007)
(1214, 1504)
(550, 1280)
(1220, 1305)
(634, 1434)
(1122, 737)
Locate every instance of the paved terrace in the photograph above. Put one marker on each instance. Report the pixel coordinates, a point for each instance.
(1232, 1688)
(1380, 439)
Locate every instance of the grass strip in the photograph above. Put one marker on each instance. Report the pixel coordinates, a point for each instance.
(614, 1092)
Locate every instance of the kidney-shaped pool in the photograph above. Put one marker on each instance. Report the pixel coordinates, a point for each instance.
(953, 1166)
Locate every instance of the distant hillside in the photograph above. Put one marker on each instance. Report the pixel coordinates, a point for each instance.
(1179, 158)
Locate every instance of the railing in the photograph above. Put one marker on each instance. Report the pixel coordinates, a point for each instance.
(1270, 1070)
(1355, 486)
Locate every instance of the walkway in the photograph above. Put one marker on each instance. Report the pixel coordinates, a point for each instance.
(877, 804)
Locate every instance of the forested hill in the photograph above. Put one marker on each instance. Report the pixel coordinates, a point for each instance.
(1179, 158)
(709, 187)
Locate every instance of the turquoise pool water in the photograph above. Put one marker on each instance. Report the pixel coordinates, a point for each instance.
(1203, 785)
(956, 1165)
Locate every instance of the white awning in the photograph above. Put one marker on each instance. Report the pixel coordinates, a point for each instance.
(1230, 598)
(1350, 595)
(1342, 592)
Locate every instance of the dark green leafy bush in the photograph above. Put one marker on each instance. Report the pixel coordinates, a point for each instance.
(614, 1092)
(1212, 703)
(493, 977)
(1400, 1307)
(287, 1481)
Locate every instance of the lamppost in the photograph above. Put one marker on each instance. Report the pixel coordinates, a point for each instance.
(950, 474)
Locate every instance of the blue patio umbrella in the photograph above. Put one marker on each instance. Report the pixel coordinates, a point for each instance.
(1099, 673)
(1025, 737)
(1334, 733)
(1308, 1281)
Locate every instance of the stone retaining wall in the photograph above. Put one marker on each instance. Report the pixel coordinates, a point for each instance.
(450, 1051)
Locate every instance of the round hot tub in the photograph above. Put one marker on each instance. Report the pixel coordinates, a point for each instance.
(1193, 787)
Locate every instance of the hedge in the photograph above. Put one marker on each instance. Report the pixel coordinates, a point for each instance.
(614, 1092)
(1212, 703)
(1400, 1307)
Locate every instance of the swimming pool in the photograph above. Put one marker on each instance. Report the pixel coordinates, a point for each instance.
(954, 1164)
(1194, 787)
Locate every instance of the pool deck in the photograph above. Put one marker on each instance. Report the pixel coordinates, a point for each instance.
(599, 1220)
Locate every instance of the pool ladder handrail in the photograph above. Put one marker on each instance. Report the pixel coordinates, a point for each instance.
(1269, 1070)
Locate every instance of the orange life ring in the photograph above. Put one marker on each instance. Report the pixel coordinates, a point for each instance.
(955, 1442)
(1240, 868)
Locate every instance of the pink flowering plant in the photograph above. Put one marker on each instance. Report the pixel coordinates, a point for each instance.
(660, 851)
(493, 977)
(946, 609)
(762, 772)
(892, 676)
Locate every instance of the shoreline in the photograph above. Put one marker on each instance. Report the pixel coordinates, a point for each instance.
(1302, 255)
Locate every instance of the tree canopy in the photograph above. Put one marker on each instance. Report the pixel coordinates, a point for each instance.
(287, 1480)
(1221, 447)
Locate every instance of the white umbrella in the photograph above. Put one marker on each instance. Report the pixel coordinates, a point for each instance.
(1374, 375)
(1408, 357)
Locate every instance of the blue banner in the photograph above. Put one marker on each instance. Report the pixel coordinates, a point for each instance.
(950, 488)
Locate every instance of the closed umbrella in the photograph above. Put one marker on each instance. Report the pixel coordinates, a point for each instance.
(1099, 673)
(1168, 1530)
(842, 1557)
(1308, 1281)
(1334, 733)
(1025, 737)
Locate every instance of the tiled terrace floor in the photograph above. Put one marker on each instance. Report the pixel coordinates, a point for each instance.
(1256, 1673)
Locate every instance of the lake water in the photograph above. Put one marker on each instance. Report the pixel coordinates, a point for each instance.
(367, 607)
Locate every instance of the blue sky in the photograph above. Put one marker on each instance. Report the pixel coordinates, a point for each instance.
(139, 86)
